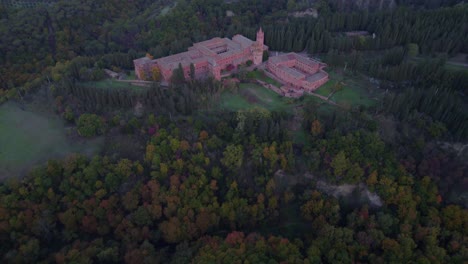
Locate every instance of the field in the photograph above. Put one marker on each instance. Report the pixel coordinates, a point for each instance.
(260, 75)
(327, 88)
(29, 138)
(252, 96)
(355, 91)
(350, 90)
(455, 63)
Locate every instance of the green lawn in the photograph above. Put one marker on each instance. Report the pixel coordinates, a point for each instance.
(29, 138)
(234, 102)
(253, 95)
(353, 95)
(453, 64)
(131, 76)
(326, 89)
(355, 89)
(260, 75)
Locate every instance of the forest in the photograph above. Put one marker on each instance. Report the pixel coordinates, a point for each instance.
(211, 185)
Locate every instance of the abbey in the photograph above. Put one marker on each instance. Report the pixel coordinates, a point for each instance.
(208, 58)
(299, 73)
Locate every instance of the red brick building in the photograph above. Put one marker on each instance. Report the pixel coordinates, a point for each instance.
(208, 57)
(298, 72)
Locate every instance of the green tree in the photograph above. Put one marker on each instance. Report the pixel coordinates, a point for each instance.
(68, 114)
(340, 164)
(90, 125)
(178, 75)
(291, 5)
(233, 157)
(192, 71)
(266, 55)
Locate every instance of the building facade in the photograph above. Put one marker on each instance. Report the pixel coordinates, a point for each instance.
(298, 72)
(208, 58)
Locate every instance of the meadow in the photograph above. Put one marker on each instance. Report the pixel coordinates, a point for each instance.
(348, 90)
(251, 95)
(29, 138)
(260, 75)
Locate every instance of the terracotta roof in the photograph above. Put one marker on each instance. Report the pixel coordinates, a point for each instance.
(293, 72)
(316, 76)
(243, 41)
(208, 51)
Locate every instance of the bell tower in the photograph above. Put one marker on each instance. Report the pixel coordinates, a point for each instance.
(260, 37)
(257, 48)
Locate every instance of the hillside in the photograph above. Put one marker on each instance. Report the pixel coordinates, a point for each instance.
(97, 166)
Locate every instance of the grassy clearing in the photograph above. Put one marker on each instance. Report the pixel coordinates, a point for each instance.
(252, 95)
(355, 90)
(131, 76)
(29, 138)
(326, 89)
(260, 75)
(353, 95)
(234, 102)
(456, 63)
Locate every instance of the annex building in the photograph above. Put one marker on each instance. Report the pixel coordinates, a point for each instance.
(208, 58)
(301, 74)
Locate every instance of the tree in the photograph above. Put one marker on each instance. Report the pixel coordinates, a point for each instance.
(192, 71)
(203, 135)
(171, 230)
(142, 74)
(233, 157)
(29, 251)
(90, 125)
(203, 221)
(178, 75)
(340, 164)
(291, 5)
(372, 179)
(354, 173)
(68, 114)
(156, 74)
(141, 217)
(316, 128)
(455, 218)
(266, 55)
